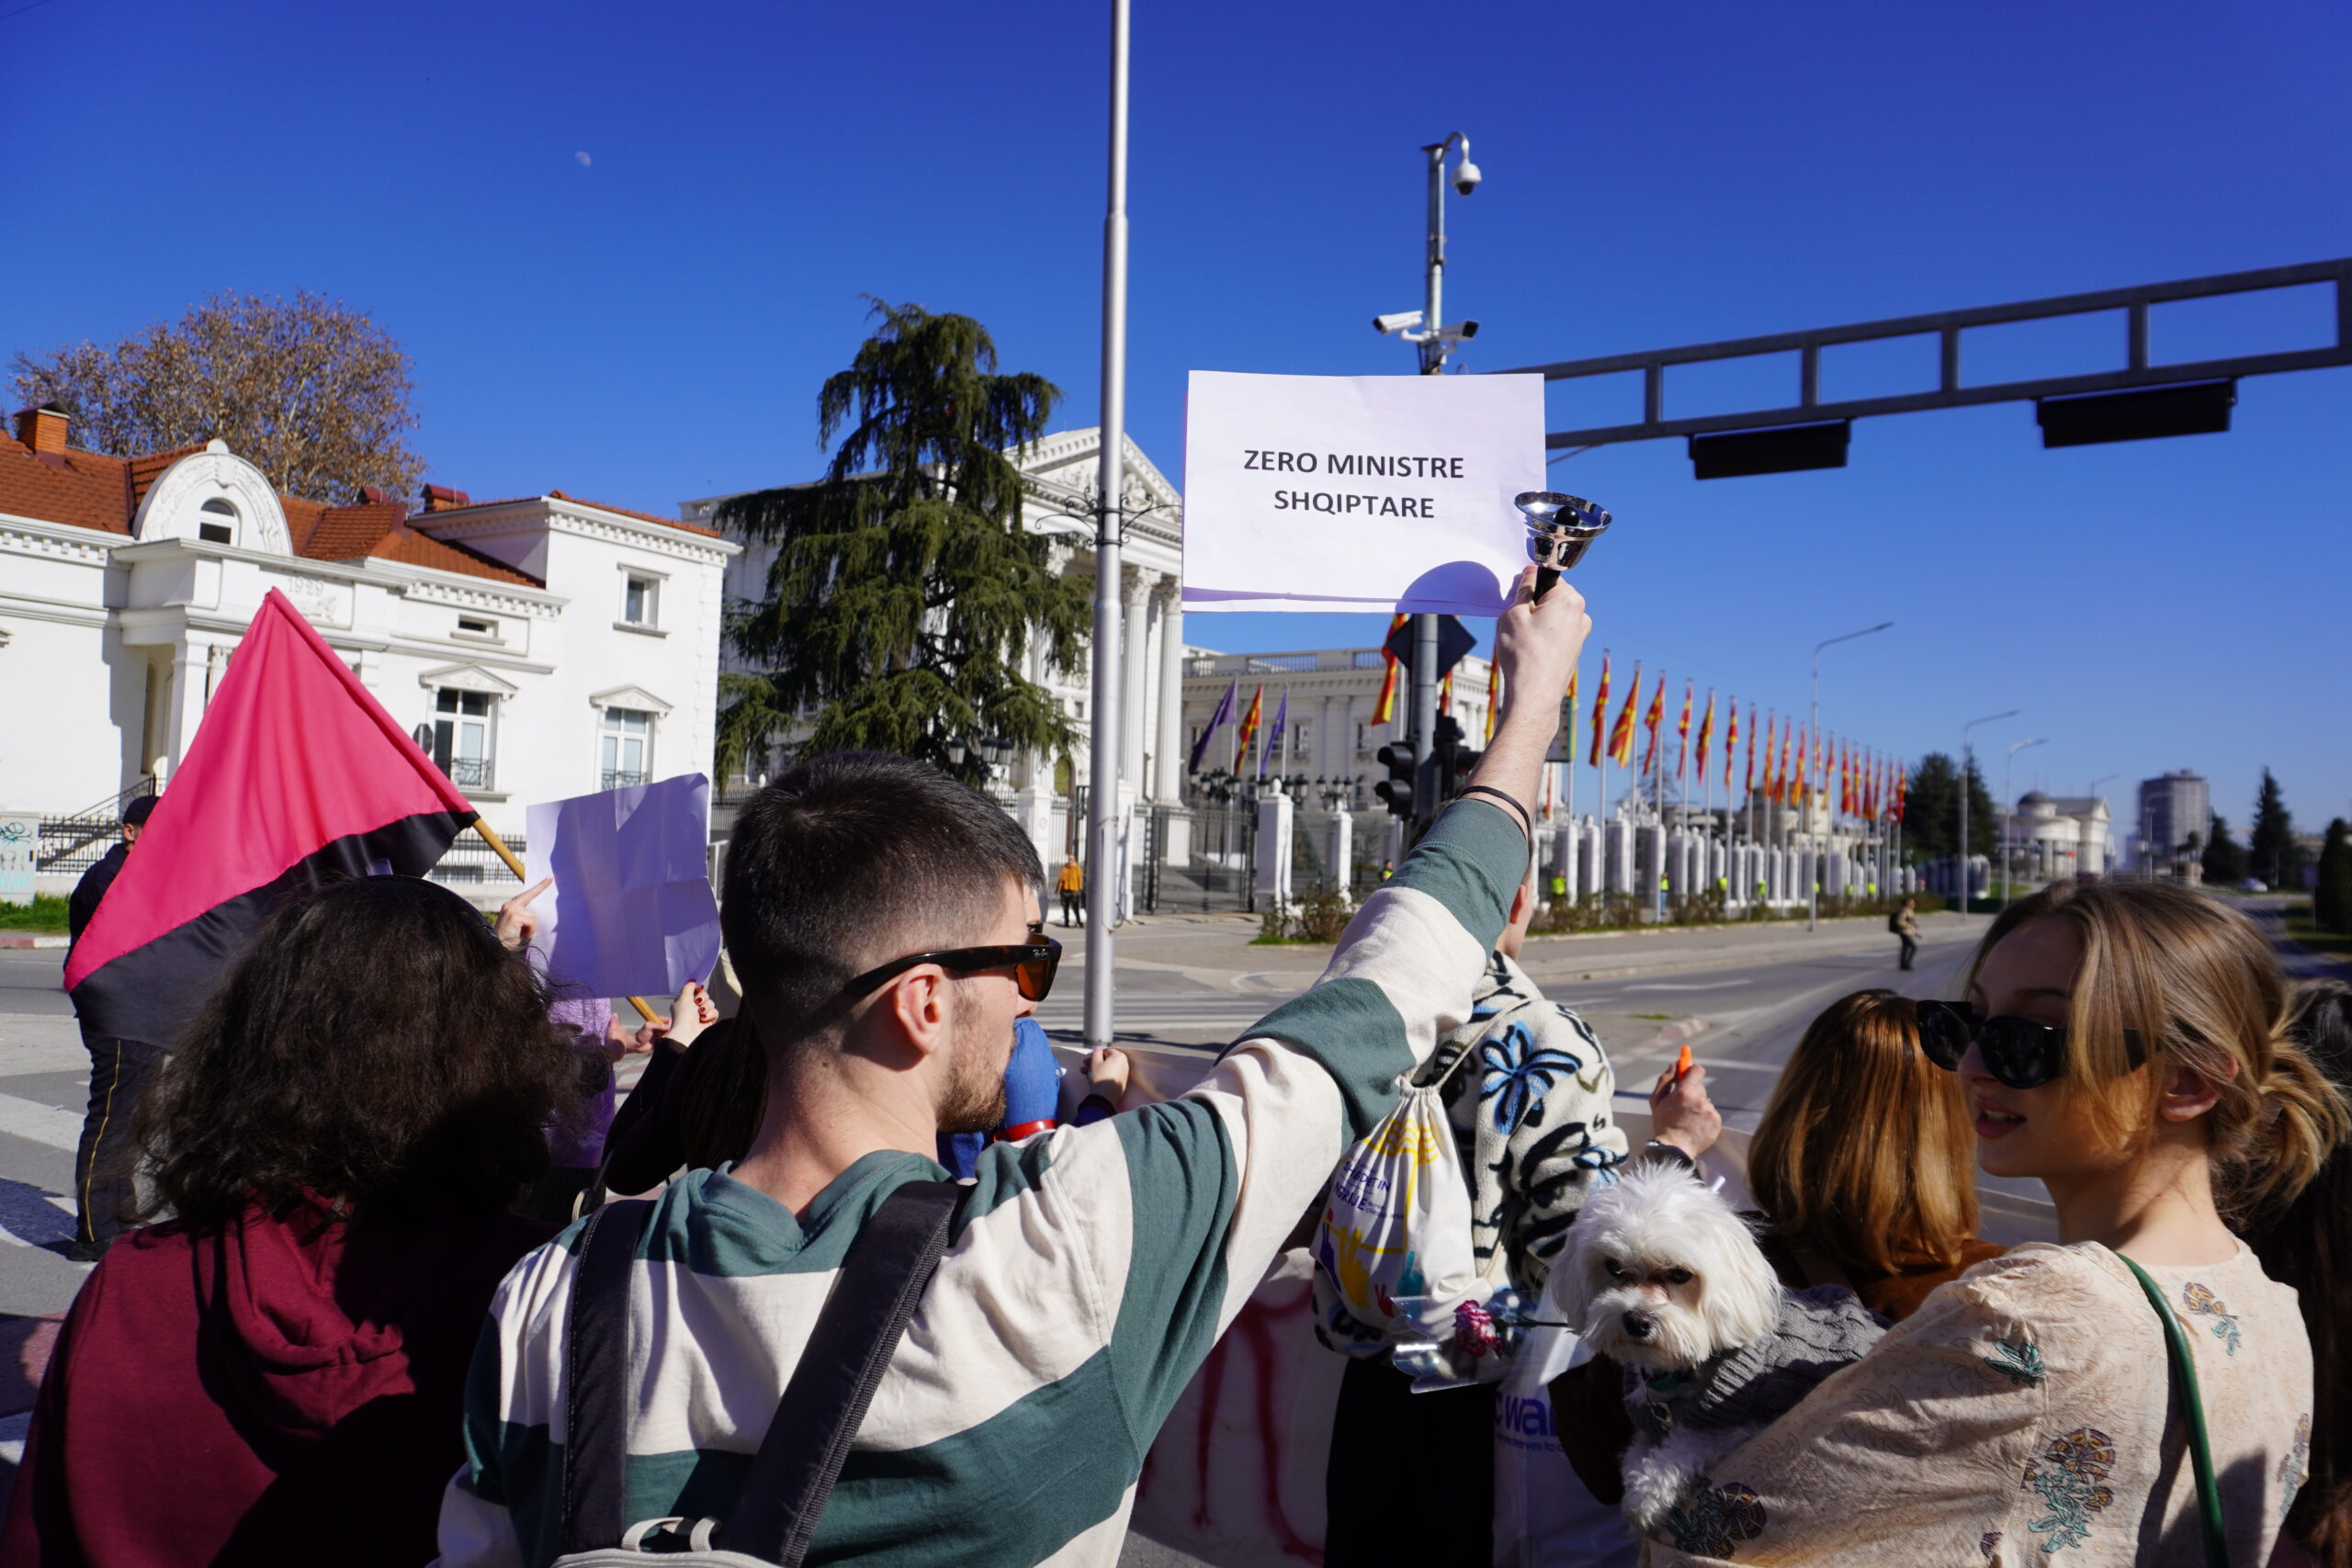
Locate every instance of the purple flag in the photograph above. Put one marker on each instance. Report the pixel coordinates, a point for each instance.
(1224, 712)
(1275, 734)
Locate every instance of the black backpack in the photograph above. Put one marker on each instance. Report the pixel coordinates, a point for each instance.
(783, 1493)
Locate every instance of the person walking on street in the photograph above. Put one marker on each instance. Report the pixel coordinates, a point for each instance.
(118, 1073)
(1904, 924)
(1072, 882)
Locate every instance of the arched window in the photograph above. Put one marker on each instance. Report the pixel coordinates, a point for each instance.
(219, 524)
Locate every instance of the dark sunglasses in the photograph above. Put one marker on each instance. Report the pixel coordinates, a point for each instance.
(1032, 965)
(2017, 1051)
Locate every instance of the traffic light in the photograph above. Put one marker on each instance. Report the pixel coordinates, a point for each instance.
(1455, 760)
(1396, 790)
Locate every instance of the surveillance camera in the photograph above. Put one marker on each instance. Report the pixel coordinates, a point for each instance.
(1469, 329)
(1399, 322)
(1466, 176)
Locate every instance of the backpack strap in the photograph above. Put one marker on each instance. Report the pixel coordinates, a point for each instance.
(882, 1280)
(595, 1376)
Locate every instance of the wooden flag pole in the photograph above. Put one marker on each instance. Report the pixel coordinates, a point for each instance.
(489, 836)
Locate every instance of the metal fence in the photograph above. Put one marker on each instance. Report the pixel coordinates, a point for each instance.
(72, 844)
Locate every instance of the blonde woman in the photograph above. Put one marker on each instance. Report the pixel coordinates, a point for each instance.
(1865, 1160)
(2120, 1042)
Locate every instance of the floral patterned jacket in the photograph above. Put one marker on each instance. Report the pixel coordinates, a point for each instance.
(2025, 1415)
(1531, 1115)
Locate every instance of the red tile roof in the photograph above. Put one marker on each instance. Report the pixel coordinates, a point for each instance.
(90, 489)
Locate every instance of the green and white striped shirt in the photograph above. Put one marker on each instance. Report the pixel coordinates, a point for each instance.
(1090, 1273)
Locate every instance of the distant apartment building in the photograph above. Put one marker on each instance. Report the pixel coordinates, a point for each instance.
(2176, 814)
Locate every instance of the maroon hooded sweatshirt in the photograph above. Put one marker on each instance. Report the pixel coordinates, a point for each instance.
(287, 1391)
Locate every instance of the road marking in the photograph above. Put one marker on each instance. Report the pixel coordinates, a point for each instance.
(1710, 985)
(41, 1124)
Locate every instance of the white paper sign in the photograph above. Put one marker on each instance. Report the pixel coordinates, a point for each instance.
(1358, 492)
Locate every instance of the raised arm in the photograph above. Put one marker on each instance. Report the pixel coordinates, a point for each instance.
(1213, 1182)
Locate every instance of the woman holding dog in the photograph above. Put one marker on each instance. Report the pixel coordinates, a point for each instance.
(2122, 1042)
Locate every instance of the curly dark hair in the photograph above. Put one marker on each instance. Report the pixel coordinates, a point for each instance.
(376, 1047)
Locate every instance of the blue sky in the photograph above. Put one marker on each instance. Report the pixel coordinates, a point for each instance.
(653, 323)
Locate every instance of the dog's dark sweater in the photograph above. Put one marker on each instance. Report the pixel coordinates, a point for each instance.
(1820, 1330)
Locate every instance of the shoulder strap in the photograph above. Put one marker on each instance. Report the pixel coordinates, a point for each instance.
(2200, 1444)
(882, 1280)
(595, 1377)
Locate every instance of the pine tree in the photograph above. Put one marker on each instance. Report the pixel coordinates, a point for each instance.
(2225, 856)
(1930, 822)
(2332, 899)
(905, 589)
(2271, 851)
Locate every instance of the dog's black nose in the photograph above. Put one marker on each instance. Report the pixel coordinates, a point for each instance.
(1637, 1324)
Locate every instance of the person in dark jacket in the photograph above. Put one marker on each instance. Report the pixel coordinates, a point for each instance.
(277, 1376)
(119, 1071)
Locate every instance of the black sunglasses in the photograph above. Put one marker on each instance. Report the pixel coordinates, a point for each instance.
(2017, 1051)
(1032, 965)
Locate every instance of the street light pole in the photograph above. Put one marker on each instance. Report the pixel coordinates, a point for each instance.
(1109, 525)
(1967, 762)
(1434, 344)
(2009, 807)
(1813, 889)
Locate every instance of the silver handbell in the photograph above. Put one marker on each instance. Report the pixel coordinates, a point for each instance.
(1560, 528)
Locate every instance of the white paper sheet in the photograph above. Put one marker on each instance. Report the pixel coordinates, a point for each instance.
(1358, 492)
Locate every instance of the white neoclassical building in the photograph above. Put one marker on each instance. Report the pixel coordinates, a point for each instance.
(1061, 471)
(2052, 837)
(541, 646)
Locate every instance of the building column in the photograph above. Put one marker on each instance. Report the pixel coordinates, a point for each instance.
(1167, 769)
(1133, 715)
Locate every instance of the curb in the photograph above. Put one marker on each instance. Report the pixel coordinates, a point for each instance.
(30, 938)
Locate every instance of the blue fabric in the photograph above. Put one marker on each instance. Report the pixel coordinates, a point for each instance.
(1033, 1081)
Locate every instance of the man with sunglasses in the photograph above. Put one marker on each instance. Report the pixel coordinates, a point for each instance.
(884, 923)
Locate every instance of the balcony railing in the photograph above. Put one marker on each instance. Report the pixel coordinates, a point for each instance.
(621, 778)
(470, 773)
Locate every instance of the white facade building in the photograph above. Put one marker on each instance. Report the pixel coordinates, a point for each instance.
(2049, 838)
(546, 646)
(1061, 471)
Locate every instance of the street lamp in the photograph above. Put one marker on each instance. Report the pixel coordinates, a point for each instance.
(2008, 810)
(1813, 890)
(1426, 330)
(1967, 762)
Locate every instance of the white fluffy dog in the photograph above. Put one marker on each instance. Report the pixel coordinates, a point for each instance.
(1663, 1277)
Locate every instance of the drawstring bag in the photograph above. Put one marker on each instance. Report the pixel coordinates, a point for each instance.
(1393, 1257)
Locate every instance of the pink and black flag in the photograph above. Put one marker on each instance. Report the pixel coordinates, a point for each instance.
(296, 778)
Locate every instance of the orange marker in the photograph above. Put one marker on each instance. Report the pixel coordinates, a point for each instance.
(1682, 1063)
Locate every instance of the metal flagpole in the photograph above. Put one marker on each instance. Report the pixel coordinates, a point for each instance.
(1109, 524)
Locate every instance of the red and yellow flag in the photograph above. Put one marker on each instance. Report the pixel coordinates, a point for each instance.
(1682, 734)
(1771, 758)
(1249, 722)
(1385, 710)
(1494, 696)
(1731, 747)
(1621, 734)
(1651, 720)
(1706, 734)
(1601, 711)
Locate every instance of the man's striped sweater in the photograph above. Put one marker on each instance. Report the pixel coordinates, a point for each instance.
(1092, 1270)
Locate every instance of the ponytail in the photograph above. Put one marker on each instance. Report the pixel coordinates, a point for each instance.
(2302, 1121)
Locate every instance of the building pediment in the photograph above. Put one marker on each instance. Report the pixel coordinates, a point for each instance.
(217, 490)
(636, 697)
(466, 678)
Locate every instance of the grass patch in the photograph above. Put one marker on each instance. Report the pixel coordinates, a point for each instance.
(45, 914)
(1649, 1015)
(2300, 927)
